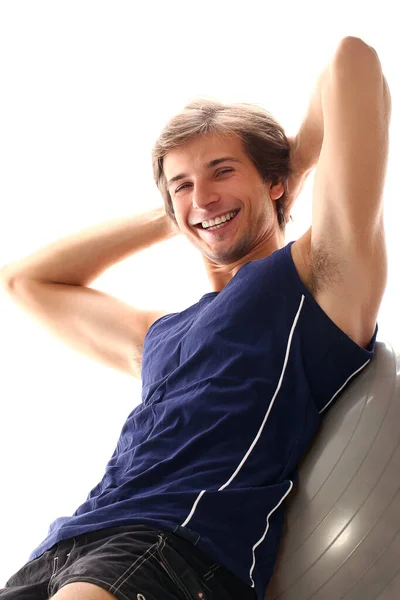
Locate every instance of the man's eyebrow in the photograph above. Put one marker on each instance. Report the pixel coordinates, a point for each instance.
(209, 165)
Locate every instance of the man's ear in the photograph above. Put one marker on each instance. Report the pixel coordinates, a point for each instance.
(276, 191)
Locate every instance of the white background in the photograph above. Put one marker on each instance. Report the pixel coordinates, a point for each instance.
(86, 88)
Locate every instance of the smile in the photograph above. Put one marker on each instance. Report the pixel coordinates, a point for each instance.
(219, 222)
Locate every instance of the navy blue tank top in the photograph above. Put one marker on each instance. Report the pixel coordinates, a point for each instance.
(234, 388)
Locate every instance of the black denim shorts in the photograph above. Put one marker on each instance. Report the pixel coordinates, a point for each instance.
(131, 562)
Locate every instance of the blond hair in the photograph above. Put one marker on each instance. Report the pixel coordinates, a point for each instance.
(264, 142)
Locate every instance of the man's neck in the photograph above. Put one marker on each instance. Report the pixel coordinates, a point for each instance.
(220, 275)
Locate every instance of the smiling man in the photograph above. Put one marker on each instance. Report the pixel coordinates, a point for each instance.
(234, 387)
(222, 205)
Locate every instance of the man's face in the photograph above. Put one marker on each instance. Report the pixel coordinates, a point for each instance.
(207, 189)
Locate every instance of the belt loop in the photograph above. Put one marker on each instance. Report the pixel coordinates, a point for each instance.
(187, 534)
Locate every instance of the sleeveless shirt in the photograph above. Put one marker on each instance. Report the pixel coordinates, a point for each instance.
(233, 391)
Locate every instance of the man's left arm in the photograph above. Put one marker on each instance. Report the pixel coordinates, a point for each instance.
(307, 144)
(346, 136)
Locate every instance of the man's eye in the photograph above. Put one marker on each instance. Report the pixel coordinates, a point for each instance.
(180, 188)
(224, 171)
(185, 184)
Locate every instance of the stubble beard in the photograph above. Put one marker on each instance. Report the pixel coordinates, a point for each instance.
(248, 241)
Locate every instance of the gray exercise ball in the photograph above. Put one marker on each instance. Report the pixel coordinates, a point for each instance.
(341, 535)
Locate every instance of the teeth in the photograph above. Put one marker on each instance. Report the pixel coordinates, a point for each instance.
(219, 220)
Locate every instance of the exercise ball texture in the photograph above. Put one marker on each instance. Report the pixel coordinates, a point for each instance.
(341, 535)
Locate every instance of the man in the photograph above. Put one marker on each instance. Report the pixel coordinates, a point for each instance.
(191, 503)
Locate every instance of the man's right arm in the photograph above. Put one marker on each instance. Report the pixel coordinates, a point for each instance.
(52, 286)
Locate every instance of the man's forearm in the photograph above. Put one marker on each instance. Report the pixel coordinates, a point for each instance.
(82, 257)
(308, 141)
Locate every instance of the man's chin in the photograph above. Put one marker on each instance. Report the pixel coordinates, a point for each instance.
(224, 257)
(221, 254)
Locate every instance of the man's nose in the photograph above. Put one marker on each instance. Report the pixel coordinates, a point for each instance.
(203, 195)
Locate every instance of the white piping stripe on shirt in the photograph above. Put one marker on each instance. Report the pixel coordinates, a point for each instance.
(269, 410)
(266, 531)
(256, 439)
(195, 504)
(342, 386)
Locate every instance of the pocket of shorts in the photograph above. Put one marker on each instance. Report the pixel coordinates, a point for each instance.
(58, 567)
(183, 576)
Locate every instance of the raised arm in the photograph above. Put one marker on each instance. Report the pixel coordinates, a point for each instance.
(82, 257)
(52, 287)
